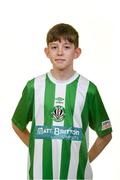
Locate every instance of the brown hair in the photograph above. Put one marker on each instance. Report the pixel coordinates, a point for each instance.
(63, 31)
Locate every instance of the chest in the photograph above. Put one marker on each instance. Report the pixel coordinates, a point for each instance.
(59, 104)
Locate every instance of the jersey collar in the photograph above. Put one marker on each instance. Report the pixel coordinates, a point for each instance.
(56, 81)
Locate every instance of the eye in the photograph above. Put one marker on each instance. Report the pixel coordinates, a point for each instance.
(53, 47)
(67, 47)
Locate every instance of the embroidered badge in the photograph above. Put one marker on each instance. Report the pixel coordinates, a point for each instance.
(58, 113)
(106, 125)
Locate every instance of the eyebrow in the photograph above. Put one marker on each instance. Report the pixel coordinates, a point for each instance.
(54, 43)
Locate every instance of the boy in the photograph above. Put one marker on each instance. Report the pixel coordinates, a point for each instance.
(61, 105)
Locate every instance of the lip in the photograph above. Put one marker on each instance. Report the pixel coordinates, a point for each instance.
(59, 60)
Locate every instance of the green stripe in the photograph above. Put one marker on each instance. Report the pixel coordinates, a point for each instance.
(47, 144)
(83, 155)
(31, 138)
(68, 122)
(31, 151)
(82, 159)
(85, 115)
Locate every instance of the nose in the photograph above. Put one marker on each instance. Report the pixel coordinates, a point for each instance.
(60, 51)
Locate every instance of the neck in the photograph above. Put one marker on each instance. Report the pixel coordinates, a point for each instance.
(62, 74)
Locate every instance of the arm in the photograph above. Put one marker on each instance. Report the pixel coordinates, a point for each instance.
(98, 146)
(23, 135)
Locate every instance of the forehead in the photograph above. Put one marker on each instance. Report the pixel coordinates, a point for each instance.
(61, 41)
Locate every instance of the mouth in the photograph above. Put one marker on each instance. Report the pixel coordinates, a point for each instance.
(60, 60)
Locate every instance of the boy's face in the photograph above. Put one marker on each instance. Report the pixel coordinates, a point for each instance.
(62, 53)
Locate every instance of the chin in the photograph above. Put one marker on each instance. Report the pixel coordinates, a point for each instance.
(60, 67)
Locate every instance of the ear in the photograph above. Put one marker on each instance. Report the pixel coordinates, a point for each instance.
(77, 53)
(46, 50)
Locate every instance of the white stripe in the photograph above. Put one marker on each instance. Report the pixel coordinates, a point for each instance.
(60, 91)
(74, 160)
(77, 122)
(39, 99)
(87, 136)
(39, 120)
(28, 165)
(88, 170)
(37, 169)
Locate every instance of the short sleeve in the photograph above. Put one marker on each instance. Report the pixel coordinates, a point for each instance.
(99, 120)
(24, 109)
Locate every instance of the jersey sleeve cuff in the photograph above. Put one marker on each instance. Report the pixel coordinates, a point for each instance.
(104, 132)
(18, 125)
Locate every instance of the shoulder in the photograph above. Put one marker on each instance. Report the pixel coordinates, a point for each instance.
(41, 77)
(91, 87)
(31, 83)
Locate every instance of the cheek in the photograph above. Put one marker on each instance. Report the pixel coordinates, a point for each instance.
(70, 55)
(52, 54)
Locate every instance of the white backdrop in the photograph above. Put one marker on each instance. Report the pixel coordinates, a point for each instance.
(23, 28)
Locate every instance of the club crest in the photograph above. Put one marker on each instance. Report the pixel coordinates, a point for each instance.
(58, 113)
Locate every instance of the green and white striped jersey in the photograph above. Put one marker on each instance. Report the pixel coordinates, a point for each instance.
(61, 113)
